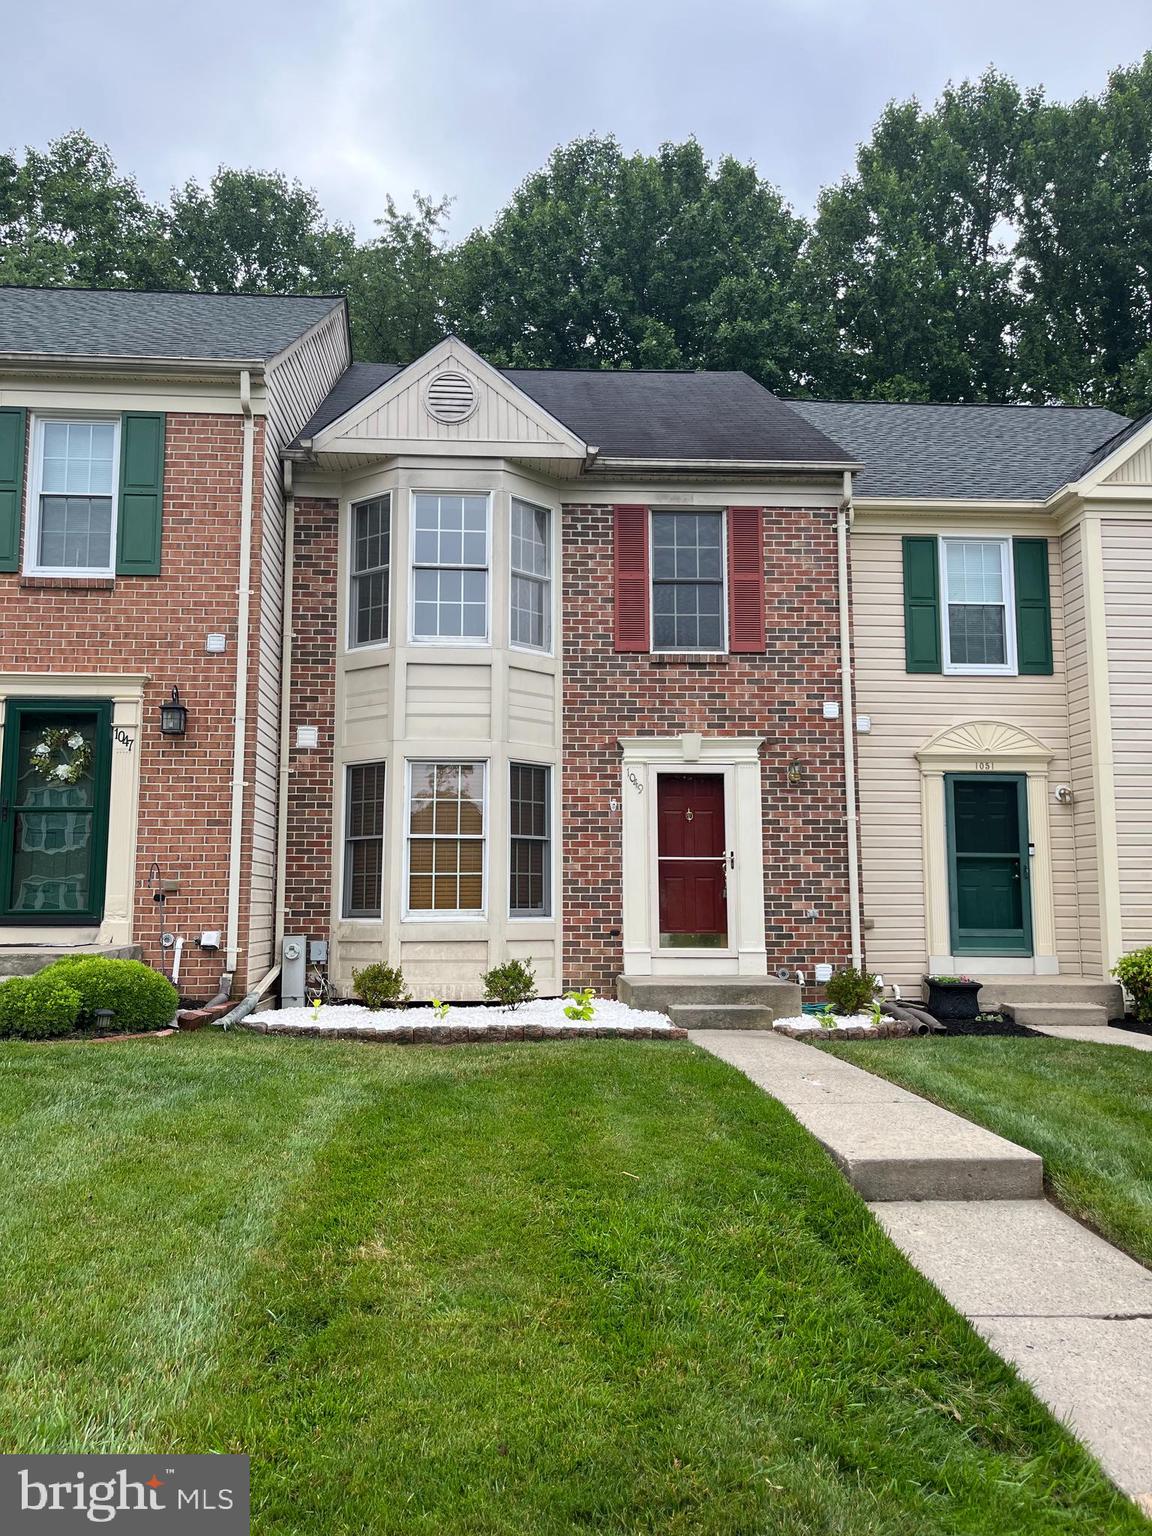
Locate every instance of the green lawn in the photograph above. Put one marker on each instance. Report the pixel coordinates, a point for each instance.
(1085, 1108)
(586, 1286)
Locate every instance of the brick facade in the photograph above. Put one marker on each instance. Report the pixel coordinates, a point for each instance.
(778, 695)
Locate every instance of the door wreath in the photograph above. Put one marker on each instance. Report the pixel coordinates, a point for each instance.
(61, 756)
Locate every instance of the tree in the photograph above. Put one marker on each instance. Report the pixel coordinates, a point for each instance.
(395, 284)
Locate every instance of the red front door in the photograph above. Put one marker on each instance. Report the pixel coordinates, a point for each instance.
(693, 861)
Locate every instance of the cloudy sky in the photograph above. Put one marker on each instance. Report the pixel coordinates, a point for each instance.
(360, 98)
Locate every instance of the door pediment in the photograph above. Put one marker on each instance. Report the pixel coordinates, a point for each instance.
(991, 741)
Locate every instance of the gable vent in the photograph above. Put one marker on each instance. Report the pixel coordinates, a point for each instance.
(450, 397)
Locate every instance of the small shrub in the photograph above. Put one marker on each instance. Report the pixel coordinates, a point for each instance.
(139, 997)
(850, 990)
(512, 983)
(827, 1019)
(580, 1005)
(38, 1007)
(440, 1009)
(380, 985)
(1134, 972)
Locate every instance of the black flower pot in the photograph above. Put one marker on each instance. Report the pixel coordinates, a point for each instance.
(953, 999)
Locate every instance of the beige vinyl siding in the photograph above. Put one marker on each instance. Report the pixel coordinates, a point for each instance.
(906, 711)
(1082, 777)
(1136, 470)
(1127, 546)
(295, 383)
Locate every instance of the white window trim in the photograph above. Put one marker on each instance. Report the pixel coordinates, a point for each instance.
(421, 916)
(350, 642)
(1009, 667)
(455, 642)
(550, 881)
(688, 650)
(548, 649)
(362, 762)
(31, 566)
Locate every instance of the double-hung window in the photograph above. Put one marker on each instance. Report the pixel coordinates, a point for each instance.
(363, 840)
(529, 871)
(369, 565)
(979, 634)
(688, 581)
(74, 474)
(530, 551)
(450, 567)
(446, 830)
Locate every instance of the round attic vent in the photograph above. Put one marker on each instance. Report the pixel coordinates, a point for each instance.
(451, 397)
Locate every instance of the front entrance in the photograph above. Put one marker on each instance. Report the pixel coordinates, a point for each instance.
(988, 864)
(692, 861)
(54, 811)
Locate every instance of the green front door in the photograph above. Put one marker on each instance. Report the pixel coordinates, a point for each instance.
(54, 811)
(988, 864)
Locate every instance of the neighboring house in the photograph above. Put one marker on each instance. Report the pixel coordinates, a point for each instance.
(141, 533)
(1002, 589)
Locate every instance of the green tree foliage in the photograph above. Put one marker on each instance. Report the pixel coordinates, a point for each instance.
(395, 284)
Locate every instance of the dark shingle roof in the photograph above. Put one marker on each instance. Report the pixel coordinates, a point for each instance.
(635, 414)
(86, 322)
(987, 452)
(1110, 445)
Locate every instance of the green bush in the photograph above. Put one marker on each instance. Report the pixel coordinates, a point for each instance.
(139, 997)
(1134, 972)
(38, 1007)
(512, 983)
(380, 985)
(850, 990)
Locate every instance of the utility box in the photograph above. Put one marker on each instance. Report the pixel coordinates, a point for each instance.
(293, 963)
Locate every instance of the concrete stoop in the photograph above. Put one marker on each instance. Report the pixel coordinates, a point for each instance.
(712, 1002)
(1053, 999)
(15, 961)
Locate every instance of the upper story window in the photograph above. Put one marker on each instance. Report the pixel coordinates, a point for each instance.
(688, 581)
(530, 553)
(449, 567)
(371, 548)
(979, 635)
(72, 497)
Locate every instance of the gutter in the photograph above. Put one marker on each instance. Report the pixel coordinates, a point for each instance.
(844, 517)
(609, 463)
(284, 766)
(243, 611)
(92, 362)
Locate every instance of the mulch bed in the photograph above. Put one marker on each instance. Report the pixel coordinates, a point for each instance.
(1133, 1026)
(979, 1027)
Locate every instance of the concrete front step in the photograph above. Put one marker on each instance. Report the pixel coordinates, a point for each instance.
(997, 992)
(26, 962)
(775, 999)
(721, 1016)
(1057, 1013)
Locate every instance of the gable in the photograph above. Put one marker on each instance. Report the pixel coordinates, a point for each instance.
(1134, 470)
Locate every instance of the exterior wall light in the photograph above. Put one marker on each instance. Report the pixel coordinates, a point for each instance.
(796, 772)
(173, 716)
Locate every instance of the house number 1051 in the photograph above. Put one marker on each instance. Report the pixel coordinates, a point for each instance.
(986, 765)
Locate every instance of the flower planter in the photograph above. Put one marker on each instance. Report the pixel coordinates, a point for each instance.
(957, 999)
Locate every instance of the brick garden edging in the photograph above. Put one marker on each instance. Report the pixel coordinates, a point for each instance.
(460, 1034)
(892, 1029)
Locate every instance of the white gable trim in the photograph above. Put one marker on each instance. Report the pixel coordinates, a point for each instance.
(1096, 479)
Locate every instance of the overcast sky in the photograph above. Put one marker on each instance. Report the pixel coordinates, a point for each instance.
(465, 97)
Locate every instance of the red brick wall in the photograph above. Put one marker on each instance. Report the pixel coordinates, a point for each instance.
(778, 695)
(157, 625)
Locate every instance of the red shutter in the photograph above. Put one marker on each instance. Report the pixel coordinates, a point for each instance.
(746, 579)
(630, 577)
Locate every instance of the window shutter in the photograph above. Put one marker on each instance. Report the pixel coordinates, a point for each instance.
(140, 510)
(921, 605)
(1033, 607)
(746, 579)
(12, 431)
(630, 577)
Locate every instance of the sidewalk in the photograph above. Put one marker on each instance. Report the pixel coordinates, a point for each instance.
(1097, 1034)
(1069, 1311)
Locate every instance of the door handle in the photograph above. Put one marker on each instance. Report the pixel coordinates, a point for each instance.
(4, 809)
(731, 858)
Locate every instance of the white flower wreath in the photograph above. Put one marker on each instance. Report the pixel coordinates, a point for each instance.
(61, 756)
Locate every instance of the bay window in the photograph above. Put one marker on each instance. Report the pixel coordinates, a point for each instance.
(446, 832)
(449, 567)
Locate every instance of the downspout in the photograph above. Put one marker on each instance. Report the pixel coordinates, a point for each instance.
(281, 902)
(844, 518)
(243, 609)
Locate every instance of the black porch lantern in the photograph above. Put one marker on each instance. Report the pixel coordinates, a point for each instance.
(173, 716)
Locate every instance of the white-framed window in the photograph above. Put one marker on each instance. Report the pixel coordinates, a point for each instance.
(687, 562)
(73, 481)
(369, 565)
(363, 839)
(978, 605)
(530, 576)
(450, 538)
(446, 839)
(530, 840)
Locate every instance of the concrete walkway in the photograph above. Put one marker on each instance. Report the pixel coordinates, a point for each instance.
(1097, 1034)
(1069, 1311)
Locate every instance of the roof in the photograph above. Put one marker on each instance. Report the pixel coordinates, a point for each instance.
(203, 327)
(637, 414)
(982, 452)
(1110, 445)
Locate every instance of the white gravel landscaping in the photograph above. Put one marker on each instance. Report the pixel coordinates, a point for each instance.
(810, 1021)
(544, 1018)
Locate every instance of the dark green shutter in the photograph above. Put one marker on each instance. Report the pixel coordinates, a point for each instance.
(1033, 607)
(12, 428)
(921, 605)
(141, 494)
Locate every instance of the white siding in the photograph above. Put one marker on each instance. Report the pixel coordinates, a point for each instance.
(1134, 471)
(1127, 548)
(1082, 777)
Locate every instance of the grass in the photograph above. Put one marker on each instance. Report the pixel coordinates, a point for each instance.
(1084, 1108)
(486, 1291)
